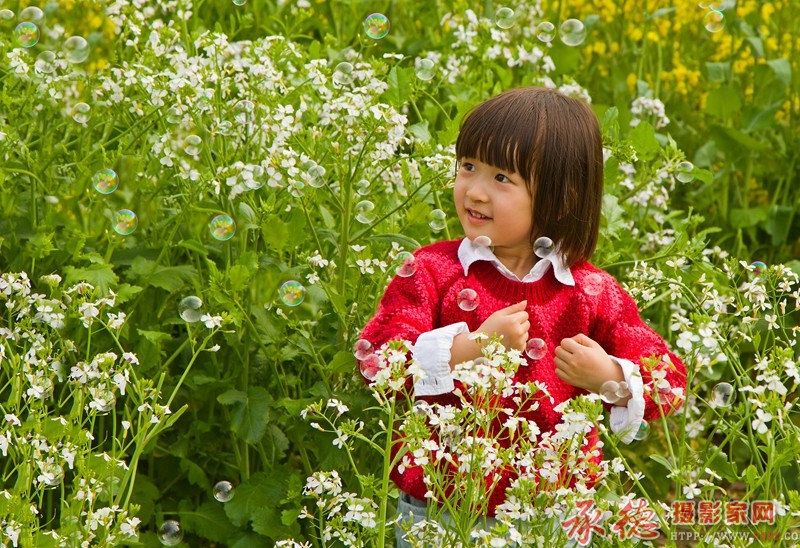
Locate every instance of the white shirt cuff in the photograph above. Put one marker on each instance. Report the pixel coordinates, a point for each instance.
(625, 421)
(431, 353)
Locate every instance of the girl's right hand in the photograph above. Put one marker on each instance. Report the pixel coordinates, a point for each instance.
(512, 323)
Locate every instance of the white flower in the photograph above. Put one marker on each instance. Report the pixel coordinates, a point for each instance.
(211, 321)
(760, 422)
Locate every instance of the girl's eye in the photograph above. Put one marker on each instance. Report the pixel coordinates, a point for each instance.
(502, 178)
(467, 166)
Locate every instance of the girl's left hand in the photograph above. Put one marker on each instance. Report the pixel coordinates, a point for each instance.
(583, 363)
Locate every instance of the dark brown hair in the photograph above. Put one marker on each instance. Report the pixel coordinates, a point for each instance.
(554, 143)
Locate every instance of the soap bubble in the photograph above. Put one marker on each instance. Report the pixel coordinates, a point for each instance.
(6, 18)
(504, 18)
(370, 366)
(722, 395)
(365, 212)
(191, 145)
(81, 113)
(292, 293)
(362, 349)
(45, 62)
(593, 284)
(76, 49)
(425, 69)
(343, 74)
(253, 177)
(239, 2)
(296, 188)
(124, 222)
(27, 34)
(103, 401)
(376, 26)
(32, 14)
(223, 491)
(222, 227)
(405, 264)
(362, 187)
(224, 127)
(105, 181)
(483, 241)
(190, 309)
(545, 32)
(316, 174)
(572, 32)
(173, 115)
(543, 247)
(244, 111)
(536, 348)
(685, 172)
(623, 391)
(714, 21)
(467, 299)
(642, 432)
(757, 270)
(170, 533)
(608, 392)
(437, 220)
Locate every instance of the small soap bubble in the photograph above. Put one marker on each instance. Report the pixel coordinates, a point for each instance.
(32, 14)
(76, 49)
(105, 181)
(244, 112)
(124, 222)
(545, 32)
(6, 18)
(608, 391)
(467, 299)
(296, 188)
(722, 395)
(222, 227)
(437, 219)
(376, 26)
(343, 74)
(714, 21)
(316, 174)
(173, 115)
(623, 391)
(425, 69)
(504, 18)
(365, 212)
(405, 264)
(543, 247)
(572, 32)
(362, 187)
(45, 62)
(103, 401)
(190, 309)
(170, 533)
(27, 34)
(370, 366)
(642, 432)
(593, 284)
(685, 172)
(757, 270)
(81, 113)
(292, 293)
(203, 103)
(363, 349)
(192, 145)
(239, 2)
(483, 241)
(254, 177)
(536, 348)
(223, 491)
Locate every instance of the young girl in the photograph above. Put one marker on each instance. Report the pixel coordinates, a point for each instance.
(528, 194)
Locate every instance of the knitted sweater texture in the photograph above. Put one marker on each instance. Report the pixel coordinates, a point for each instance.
(596, 306)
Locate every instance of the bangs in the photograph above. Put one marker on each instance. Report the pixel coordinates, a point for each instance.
(501, 132)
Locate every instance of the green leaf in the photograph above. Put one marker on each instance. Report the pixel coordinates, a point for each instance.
(275, 232)
(420, 131)
(733, 139)
(782, 69)
(209, 521)
(718, 72)
(342, 362)
(779, 222)
(232, 397)
(745, 218)
(194, 245)
(643, 139)
(663, 462)
(406, 241)
(399, 81)
(723, 102)
(259, 491)
(99, 275)
(154, 337)
(612, 216)
(239, 276)
(250, 417)
(196, 474)
(751, 474)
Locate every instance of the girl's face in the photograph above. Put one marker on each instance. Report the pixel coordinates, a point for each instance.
(495, 203)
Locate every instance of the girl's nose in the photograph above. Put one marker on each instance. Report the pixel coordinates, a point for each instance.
(476, 191)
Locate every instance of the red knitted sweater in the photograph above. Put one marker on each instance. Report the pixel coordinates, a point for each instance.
(596, 306)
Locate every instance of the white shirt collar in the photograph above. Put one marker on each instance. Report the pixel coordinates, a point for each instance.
(468, 253)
